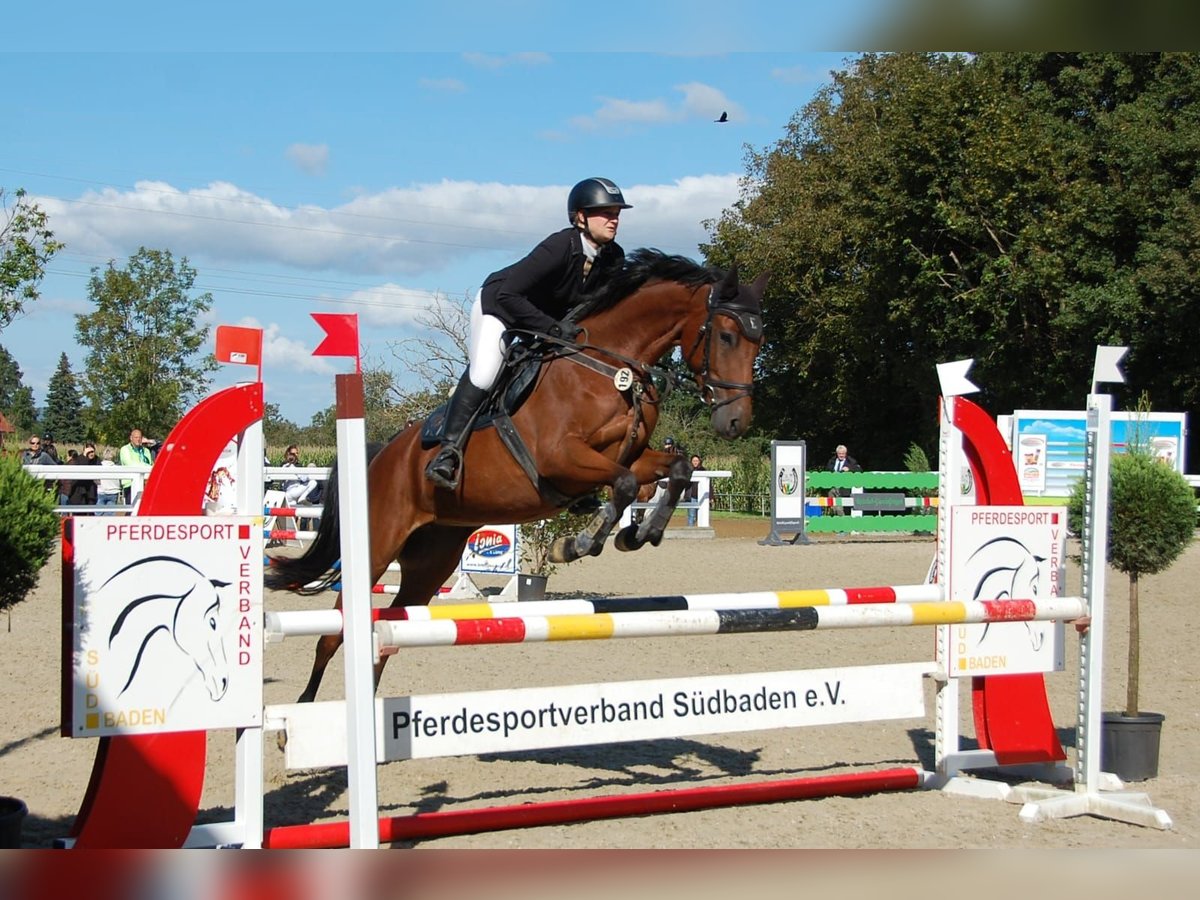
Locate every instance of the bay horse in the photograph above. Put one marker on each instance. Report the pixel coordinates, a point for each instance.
(586, 425)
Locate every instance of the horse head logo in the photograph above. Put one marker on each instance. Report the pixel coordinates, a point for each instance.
(164, 595)
(1005, 569)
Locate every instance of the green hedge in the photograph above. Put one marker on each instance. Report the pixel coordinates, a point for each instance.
(28, 527)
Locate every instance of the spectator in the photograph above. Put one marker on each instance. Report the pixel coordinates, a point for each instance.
(841, 461)
(84, 491)
(692, 493)
(36, 455)
(107, 489)
(49, 448)
(220, 499)
(135, 453)
(296, 490)
(66, 485)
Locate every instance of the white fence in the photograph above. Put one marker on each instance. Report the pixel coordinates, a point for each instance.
(137, 475)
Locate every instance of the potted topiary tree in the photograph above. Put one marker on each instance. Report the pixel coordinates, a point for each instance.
(1152, 518)
(28, 527)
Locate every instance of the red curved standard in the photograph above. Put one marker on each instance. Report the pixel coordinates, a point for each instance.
(1012, 714)
(145, 789)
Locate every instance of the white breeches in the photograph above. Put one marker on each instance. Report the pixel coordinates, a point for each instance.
(485, 346)
(297, 491)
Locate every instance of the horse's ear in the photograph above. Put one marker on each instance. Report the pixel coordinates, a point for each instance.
(759, 286)
(729, 284)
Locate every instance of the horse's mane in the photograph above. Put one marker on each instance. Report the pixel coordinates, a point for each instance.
(643, 266)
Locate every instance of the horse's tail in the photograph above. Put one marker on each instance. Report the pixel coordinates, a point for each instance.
(316, 569)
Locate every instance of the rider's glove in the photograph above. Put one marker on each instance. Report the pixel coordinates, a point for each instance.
(568, 331)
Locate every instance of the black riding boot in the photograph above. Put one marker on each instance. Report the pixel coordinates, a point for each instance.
(443, 469)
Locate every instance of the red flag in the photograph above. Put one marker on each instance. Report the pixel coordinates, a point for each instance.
(341, 335)
(242, 346)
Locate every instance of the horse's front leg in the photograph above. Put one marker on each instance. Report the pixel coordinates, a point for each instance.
(650, 531)
(590, 541)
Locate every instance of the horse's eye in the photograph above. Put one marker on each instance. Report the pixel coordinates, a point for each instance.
(727, 338)
(212, 622)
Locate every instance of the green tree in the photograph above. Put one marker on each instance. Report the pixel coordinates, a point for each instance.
(278, 431)
(63, 414)
(1015, 208)
(144, 344)
(16, 399)
(26, 247)
(1152, 519)
(28, 527)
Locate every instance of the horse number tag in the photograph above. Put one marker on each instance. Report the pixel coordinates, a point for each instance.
(623, 380)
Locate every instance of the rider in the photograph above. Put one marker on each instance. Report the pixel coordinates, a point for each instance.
(534, 293)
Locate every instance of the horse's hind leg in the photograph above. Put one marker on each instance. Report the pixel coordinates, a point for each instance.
(327, 646)
(429, 557)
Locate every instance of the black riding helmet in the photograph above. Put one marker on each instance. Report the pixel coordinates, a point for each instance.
(592, 193)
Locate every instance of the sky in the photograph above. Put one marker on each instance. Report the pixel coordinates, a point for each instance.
(378, 158)
(373, 182)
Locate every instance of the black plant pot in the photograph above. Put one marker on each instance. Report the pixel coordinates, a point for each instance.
(12, 815)
(531, 587)
(1129, 745)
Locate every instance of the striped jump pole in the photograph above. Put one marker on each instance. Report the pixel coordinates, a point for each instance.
(316, 622)
(289, 534)
(294, 512)
(394, 634)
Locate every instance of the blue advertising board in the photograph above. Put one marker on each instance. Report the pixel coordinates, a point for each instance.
(1048, 445)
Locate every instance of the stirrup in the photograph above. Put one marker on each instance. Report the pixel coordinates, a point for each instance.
(432, 474)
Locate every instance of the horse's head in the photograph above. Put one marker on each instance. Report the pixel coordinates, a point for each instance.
(200, 611)
(723, 351)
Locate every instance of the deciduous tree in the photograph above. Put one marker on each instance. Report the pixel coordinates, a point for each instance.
(144, 342)
(1016, 208)
(26, 246)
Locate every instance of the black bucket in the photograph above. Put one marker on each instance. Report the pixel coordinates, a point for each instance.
(12, 816)
(1129, 745)
(531, 587)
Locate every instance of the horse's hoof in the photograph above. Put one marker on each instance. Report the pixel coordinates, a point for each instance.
(562, 550)
(626, 539)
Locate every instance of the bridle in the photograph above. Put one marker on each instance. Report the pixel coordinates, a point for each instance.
(750, 324)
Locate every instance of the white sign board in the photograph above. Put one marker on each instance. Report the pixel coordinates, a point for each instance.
(166, 623)
(1007, 553)
(491, 550)
(789, 484)
(575, 715)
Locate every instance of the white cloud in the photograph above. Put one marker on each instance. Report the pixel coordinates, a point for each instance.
(440, 229)
(447, 85)
(311, 159)
(614, 111)
(699, 101)
(702, 101)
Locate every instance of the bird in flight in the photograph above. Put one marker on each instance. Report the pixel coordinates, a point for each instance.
(724, 117)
